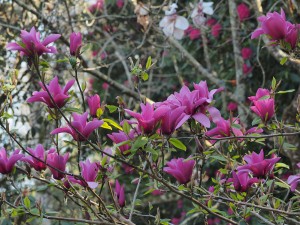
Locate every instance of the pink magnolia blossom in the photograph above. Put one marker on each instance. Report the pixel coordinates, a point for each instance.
(241, 181)
(120, 193)
(80, 123)
(31, 43)
(172, 24)
(273, 24)
(149, 117)
(265, 109)
(89, 172)
(211, 22)
(246, 53)
(121, 137)
(258, 165)
(94, 104)
(260, 93)
(181, 169)
(194, 34)
(224, 129)
(197, 103)
(59, 162)
(277, 28)
(199, 10)
(216, 30)
(59, 95)
(232, 106)
(7, 164)
(105, 86)
(243, 11)
(75, 43)
(172, 120)
(293, 180)
(40, 153)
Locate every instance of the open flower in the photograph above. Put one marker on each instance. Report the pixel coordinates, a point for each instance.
(172, 24)
(75, 43)
(40, 153)
(80, 123)
(59, 162)
(89, 172)
(260, 93)
(199, 10)
(181, 169)
(31, 43)
(172, 120)
(7, 164)
(149, 117)
(120, 193)
(258, 165)
(58, 94)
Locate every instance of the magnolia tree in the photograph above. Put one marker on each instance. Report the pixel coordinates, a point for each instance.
(93, 147)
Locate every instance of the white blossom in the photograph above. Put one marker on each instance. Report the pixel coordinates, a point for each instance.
(200, 9)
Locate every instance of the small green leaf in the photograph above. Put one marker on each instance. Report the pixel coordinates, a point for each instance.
(235, 125)
(62, 60)
(283, 185)
(281, 165)
(178, 144)
(83, 86)
(287, 91)
(106, 126)
(145, 76)
(149, 62)
(99, 112)
(283, 60)
(111, 108)
(113, 123)
(273, 83)
(218, 158)
(72, 109)
(256, 121)
(126, 127)
(140, 142)
(27, 202)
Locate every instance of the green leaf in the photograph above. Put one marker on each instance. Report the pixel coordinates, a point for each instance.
(287, 91)
(6, 115)
(27, 202)
(273, 83)
(113, 123)
(72, 109)
(283, 60)
(106, 126)
(111, 108)
(126, 127)
(281, 165)
(99, 112)
(283, 185)
(235, 125)
(62, 60)
(83, 86)
(145, 76)
(149, 62)
(178, 144)
(139, 143)
(256, 120)
(218, 158)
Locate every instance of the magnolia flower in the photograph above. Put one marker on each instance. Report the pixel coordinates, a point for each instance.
(241, 181)
(232, 106)
(31, 44)
(58, 94)
(247, 69)
(265, 109)
(75, 43)
(181, 169)
(293, 180)
(89, 172)
(216, 29)
(7, 164)
(246, 53)
(97, 6)
(258, 165)
(149, 117)
(121, 137)
(200, 9)
(120, 193)
(94, 104)
(243, 11)
(40, 153)
(59, 162)
(172, 24)
(172, 120)
(80, 123)
(261, 93)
